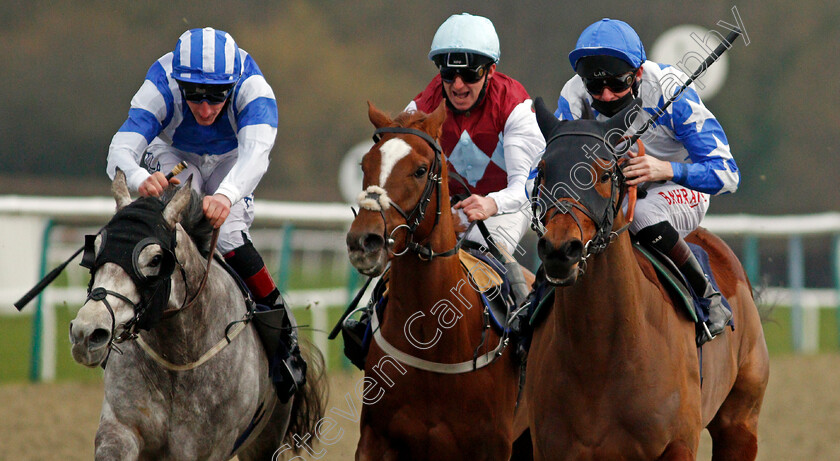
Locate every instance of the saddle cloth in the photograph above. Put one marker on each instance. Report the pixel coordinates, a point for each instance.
(672, 279)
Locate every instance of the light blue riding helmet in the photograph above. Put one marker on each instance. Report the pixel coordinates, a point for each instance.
(206, 56)
(465, 33)
(609, 37)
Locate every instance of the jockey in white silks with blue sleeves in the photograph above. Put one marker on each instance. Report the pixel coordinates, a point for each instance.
(208, 104)
(688, 157)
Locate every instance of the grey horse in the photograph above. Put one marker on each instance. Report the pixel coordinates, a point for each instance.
(195, 385)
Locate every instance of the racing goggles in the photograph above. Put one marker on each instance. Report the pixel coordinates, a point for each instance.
(213, 94)
(616, 83)
(468, 74)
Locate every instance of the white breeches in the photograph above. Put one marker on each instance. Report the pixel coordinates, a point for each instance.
(683, 208)
(208, 171)
(506, 229)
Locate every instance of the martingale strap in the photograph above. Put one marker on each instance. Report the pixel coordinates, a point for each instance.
(436, 367)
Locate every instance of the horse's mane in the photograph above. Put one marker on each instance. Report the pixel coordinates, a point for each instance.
(193, 220)
(407, 119)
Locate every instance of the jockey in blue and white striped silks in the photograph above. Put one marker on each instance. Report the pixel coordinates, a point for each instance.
(226, 156)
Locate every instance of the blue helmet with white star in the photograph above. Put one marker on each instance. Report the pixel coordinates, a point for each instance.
(206, 57)
(609, 37)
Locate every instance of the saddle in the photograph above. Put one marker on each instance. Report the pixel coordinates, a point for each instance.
(677, 286)
(486, 276)
(276, 329)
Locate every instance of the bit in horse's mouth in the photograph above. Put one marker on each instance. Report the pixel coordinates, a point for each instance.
(564, 281)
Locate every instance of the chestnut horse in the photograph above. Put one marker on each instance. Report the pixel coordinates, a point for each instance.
(436, 383)
(613, 370)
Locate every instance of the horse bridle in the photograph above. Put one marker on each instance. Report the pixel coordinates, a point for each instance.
(418, 213)
(140, 308)
(604, 234)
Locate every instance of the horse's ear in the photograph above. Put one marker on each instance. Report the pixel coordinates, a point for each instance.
(175, 208)
(434, 122)
(377, 117)
(545, 119)
(120, 190)
(586, 111)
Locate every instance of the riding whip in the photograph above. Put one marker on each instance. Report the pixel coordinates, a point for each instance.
(177, 170)
(725, 45)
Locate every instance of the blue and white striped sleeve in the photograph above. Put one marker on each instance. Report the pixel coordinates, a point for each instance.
(712, 169)
(151, 109)
(563, 112)
(570, 102)
(256, 120)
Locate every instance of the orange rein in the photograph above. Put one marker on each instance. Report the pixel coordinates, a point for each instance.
(631, 190)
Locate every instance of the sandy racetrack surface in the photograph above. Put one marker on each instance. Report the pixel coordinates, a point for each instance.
(799, 420)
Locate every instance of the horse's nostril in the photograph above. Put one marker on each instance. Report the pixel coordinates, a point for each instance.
(574, 249)
(544, 248)
(99, 337)
(568, 251)
(373, 242)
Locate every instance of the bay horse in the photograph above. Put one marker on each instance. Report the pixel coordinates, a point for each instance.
(194, 384)
(425, 397)
(613, 370)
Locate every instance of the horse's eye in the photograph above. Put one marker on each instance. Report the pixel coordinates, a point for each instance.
(420, 172)
(156, 260)
(606, 176)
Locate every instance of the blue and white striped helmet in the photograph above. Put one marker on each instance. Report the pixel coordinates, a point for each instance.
(466, 33)
(206, 56)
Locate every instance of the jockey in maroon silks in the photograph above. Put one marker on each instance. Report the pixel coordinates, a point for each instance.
(490, 136)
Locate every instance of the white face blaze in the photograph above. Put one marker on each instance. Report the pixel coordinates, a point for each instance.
(393, 150)
(375, 197)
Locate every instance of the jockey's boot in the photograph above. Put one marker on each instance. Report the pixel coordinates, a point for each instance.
(278, 333)
(518, 285)
(353, 333)
(712, 301)
(356, 329)
(273, 320)
(667, 240)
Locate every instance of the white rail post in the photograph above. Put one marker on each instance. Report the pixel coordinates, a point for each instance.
(804, 324)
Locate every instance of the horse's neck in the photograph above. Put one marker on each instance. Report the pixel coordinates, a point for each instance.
(191, 331)
(418, 287)
(610, 297)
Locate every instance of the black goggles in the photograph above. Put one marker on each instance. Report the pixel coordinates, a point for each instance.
(213, 94)
(468, 74)
(616, 83)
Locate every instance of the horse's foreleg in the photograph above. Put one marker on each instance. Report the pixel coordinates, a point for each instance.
(523, 449)
(677, 450)
(116, 441)
(373, 447)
